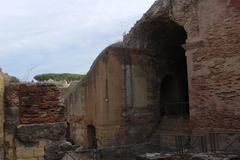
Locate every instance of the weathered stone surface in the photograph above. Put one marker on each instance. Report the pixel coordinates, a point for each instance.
(29, 151)
(194, 42)
(35, 116)
(120, 95)
(186, 156)
(83, 156)
(1, 109)
(11, 119)
(57, 150)
(28, 133)
(9, 79)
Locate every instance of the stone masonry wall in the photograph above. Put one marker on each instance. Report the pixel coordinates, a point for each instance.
(35, 117)
(215, 70)
(212, 51)
(1, 113)
(76, 112)
(116, 97)
(90, 103)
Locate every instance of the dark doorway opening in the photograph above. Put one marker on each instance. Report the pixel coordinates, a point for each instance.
(174, 99)
(168, 94)
(91, 132)
(174, 96)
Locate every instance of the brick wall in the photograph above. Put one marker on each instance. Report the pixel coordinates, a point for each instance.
(214, 68)
(212, 52)
(35, 117)
(37, 103)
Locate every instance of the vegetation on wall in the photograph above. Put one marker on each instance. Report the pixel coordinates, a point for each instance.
(58, 77)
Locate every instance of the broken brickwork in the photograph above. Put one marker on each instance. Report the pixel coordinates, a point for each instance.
(176, 72)
(35, 117)
(37, 103)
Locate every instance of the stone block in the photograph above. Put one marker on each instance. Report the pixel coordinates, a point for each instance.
(25, 152)
(38, 151)
(9, 139)
(30, 133)
(42, 143)
(9, 154)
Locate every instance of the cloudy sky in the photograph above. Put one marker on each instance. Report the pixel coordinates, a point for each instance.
(41, 36)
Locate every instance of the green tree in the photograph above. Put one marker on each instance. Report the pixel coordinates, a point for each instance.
(58, 77)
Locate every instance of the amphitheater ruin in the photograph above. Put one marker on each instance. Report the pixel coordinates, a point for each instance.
(172, 85)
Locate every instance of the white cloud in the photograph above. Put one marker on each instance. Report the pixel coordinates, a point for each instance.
(45, 32)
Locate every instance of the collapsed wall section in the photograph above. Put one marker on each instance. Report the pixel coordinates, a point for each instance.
(1, 113)
(40, 104)
(35, 117)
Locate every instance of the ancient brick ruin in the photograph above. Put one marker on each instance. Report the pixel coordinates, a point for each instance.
(176, 73)
(34, 118)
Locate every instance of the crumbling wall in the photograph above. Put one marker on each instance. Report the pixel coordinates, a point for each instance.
(35, 117)
(141, 95)
(135, 68)
(212, 48)
(91, 102)
(76, 111)
(117, 98)
(1, 113)
(214, 68)
(40, 104)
